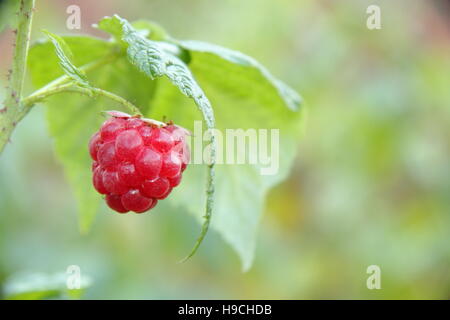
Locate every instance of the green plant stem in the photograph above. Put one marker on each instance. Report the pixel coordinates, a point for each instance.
(65, 78)
(210, 183)
(207, 217)
(12, 111)
(42, 94)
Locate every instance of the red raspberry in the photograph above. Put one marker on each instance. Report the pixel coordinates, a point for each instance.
(137, 162)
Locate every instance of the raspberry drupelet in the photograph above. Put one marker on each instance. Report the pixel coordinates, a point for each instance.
(137, 162)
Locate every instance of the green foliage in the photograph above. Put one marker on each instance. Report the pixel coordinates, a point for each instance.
(64, 55)
(155, 59)
(152, 31)
(72, 119)
(43, 286)
(250, 79)
(370, 185)
(244, 95)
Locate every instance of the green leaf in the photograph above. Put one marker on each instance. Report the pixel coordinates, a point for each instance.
(72, 118)
(157, 59)
(65, 54)
(246, 96)
(244, 93)
(37, 286)
(153, 30)
(209, 53)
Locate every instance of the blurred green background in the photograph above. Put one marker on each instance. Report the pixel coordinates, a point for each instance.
(371, 184)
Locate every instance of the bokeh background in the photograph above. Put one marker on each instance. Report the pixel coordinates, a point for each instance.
(371, 184)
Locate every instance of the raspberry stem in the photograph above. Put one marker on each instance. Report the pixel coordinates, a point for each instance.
(210, 183)
(42, 94)
(15, 107)
(65, 78)
(13, 111)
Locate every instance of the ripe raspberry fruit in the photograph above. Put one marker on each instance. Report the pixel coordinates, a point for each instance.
(137, 162)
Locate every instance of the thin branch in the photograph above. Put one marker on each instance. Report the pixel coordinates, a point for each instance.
(41, 95)
(13, 111)
(65, 78)
(210, 183)
(21, 48)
